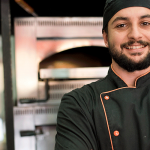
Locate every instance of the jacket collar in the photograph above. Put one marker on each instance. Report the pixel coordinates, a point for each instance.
(143, 80)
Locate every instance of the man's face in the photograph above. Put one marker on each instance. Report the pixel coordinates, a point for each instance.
(128, 38)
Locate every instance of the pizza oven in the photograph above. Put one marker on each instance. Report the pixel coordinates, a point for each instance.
(54, 55)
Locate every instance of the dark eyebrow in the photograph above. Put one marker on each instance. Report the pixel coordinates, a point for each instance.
(145, 16)
(120, 18)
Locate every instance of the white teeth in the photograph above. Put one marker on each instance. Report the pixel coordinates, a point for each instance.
(135, 47)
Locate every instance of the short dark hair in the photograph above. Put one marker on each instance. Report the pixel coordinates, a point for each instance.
(106, 29)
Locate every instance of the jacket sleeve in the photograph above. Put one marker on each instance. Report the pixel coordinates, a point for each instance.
(74, 124)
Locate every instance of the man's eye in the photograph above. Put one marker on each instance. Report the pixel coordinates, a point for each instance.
(145, 23)
(121, 25)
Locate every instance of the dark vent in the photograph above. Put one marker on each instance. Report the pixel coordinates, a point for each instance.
(25, 23)
(56, 96)
(46, 111)
(70, 23)
(65, 86)
(24, 112)
(33, 98)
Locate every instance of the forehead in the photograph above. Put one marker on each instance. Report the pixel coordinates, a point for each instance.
(131, 13)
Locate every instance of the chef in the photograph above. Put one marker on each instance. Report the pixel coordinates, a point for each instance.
(113, 113)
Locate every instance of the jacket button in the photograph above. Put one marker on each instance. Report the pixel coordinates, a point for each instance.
(106, 97)
(116, 133)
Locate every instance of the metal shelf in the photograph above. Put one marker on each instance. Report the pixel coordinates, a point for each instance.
(74, 73)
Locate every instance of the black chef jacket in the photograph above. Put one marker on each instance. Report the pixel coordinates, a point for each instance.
(106, 115)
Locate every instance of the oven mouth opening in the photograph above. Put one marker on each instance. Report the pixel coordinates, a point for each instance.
(79, 57)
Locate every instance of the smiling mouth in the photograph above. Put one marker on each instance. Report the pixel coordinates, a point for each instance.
(135, 47)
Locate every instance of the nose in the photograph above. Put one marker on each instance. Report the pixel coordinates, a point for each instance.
(135, 33)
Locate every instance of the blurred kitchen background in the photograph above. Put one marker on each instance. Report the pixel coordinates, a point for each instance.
(47, 48)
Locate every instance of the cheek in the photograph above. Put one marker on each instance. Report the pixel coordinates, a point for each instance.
(148, 37)
(116, 39)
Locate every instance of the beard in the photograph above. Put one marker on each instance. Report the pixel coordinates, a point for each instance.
(126, 63)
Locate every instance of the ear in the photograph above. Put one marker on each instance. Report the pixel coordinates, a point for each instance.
(105, 37)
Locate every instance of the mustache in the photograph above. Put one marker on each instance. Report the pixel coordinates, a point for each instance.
(129, 43)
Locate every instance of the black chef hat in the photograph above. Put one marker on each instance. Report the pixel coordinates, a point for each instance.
(113, 6)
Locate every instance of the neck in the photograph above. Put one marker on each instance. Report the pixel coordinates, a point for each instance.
(128, 77)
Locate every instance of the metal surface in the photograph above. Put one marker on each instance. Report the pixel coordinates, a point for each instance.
(67, 27)
(46, 141)
(46, 115)
(2, 101)
(74, 73)
(30, 119)
(24, 120)
(42, 117)
(35, 40)
(26, 60)
(60, 33)
(56, 90)
(2, 110)
(59, 88)
(38, 38)
(47, 47)
(5, 27)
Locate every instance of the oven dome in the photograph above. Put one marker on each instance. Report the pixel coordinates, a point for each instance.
(87, 56)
